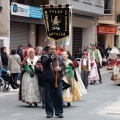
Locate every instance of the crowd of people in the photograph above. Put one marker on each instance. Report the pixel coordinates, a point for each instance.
(53, 77)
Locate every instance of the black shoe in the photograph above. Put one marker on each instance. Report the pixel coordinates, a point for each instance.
(36, 104)
(91, 83)
(59, 116)
(68, 104)
(100, 81)
(49, 116)
(94, 81)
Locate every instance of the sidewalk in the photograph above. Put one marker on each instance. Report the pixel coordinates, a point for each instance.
(111, 110)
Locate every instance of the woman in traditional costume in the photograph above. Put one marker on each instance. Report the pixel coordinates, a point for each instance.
(93, 75)
(116, 70)
(30, 92)
(77, 76)
(112, 57)
(72, 93)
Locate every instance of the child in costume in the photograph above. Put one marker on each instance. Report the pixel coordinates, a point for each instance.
(84, 68)
(93, 75)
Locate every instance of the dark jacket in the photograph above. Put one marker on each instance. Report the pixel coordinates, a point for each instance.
(4, 59)
(78, 54)
(20, 53)
(47, 63)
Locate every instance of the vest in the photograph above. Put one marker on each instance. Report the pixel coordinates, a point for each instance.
(95, 54)
(83, 67)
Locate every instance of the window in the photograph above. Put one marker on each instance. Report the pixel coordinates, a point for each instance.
(86, 1)
(108, 6)
(118, 18)
(98, 2)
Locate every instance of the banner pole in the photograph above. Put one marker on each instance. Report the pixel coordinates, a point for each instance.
(57, 64)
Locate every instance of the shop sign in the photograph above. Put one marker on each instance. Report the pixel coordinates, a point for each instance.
(26, 11)
(106, 29)
(56, 22)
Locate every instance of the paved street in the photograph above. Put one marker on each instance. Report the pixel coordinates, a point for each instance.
(101, 103)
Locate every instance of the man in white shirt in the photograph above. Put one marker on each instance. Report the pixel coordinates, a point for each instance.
(98, 58)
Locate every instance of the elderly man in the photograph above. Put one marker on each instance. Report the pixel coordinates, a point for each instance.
(53, 95)
(98, 58)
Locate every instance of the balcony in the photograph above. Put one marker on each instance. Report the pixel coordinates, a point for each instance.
(91, 8)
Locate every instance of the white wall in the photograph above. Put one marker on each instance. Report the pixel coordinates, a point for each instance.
(6, 43)
(89, 35)
(118, 41)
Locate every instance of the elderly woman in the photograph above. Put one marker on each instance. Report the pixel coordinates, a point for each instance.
(30, 93)
(39, 51)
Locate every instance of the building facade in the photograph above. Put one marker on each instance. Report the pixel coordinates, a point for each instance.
(4, 24)
(24, 30)
(109, 24)
(84, 22)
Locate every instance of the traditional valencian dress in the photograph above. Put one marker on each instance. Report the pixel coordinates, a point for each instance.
(93, 75)
(116, 71)
(73, 92)
(113, 57)
(30, 92)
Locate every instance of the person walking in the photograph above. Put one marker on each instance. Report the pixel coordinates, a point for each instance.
(14, 64)
(39, 51)
(20, 52)
(29, 89)
(112, 57)
(72, 93)
(4, 57)
(27, 49)
(98, 58)
(53, 95)
(116, 70)
(93, 75)
(107, 51)
(78, 53)
(84, 68)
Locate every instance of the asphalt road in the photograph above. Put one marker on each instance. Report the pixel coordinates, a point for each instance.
(90, 107)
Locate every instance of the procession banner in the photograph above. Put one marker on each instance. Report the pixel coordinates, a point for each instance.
(56, 22)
